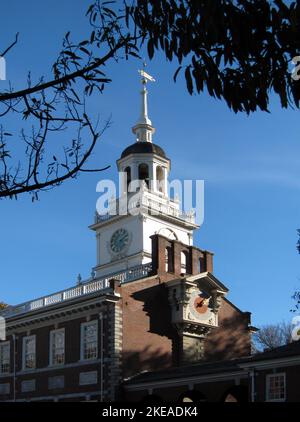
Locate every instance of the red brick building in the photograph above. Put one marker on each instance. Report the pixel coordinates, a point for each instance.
(152, 302)
(271, 376)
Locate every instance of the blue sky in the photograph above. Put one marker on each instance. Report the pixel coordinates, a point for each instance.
(250, 165)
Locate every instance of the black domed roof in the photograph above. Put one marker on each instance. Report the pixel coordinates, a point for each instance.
(143, 148)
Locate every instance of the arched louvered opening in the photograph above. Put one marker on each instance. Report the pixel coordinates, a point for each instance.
(127, 172)
(160, 181)
(144, 173)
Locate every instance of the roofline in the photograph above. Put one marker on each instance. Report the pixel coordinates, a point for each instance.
(242, 371)
(237, 309)
(186, 380)
(270, 363)
(141, 154)
(44, 313)
(211, 278)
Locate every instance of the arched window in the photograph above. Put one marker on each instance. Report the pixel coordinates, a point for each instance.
(160, 181)
(166, 232)
(230, 398)
(183, 259)
(144, 173)
(168, 259)
(128, 176)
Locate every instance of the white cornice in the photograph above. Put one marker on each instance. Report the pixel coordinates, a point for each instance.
(62, 310)
(211, 279)
(144, 156)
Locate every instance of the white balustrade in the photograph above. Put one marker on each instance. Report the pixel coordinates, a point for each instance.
(36, 304)
(70, 294)
(92, 287)
(152, 202)
(50, 300)
(85, 288)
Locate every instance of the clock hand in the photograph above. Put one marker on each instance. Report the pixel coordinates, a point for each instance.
(123, 237)
(199, 304)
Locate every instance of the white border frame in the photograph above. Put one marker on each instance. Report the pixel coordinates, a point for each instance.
(82, 325)
(268, 377)
(23, 352)
(4, 343)
(51, 344)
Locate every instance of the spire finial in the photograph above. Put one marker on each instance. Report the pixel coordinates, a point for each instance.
(143, 128)
(145, 76)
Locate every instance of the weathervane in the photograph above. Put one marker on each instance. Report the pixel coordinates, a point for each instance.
(145, 76)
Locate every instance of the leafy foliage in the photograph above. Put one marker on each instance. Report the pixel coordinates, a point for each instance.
(240, 51)
(59, 107)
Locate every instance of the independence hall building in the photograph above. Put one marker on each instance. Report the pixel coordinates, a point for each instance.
(153, 322)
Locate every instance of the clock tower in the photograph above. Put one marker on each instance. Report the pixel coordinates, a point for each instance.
(144, 207)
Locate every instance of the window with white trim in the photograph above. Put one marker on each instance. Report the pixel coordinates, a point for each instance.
(57, 347)
(29, 352)
(276, 389)
(89, 340)
(5, 357)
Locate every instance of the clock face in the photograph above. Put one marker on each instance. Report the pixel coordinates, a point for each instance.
(119, 240)
(199, 305)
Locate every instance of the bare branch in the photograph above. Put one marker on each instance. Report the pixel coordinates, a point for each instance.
(272, 336)
(57, 110)
(11, 46)
(64, 79)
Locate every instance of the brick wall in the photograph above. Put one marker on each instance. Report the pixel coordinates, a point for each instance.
(74, 377)
(148, 334)
(197, 260)
(232, 338)
(149, 339)
(151, 342)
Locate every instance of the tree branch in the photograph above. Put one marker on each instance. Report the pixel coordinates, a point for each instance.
(11, 46)
(58, 180)
(63, 80)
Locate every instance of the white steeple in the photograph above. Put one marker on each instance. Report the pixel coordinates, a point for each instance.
(124, 233)
(143, 128)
